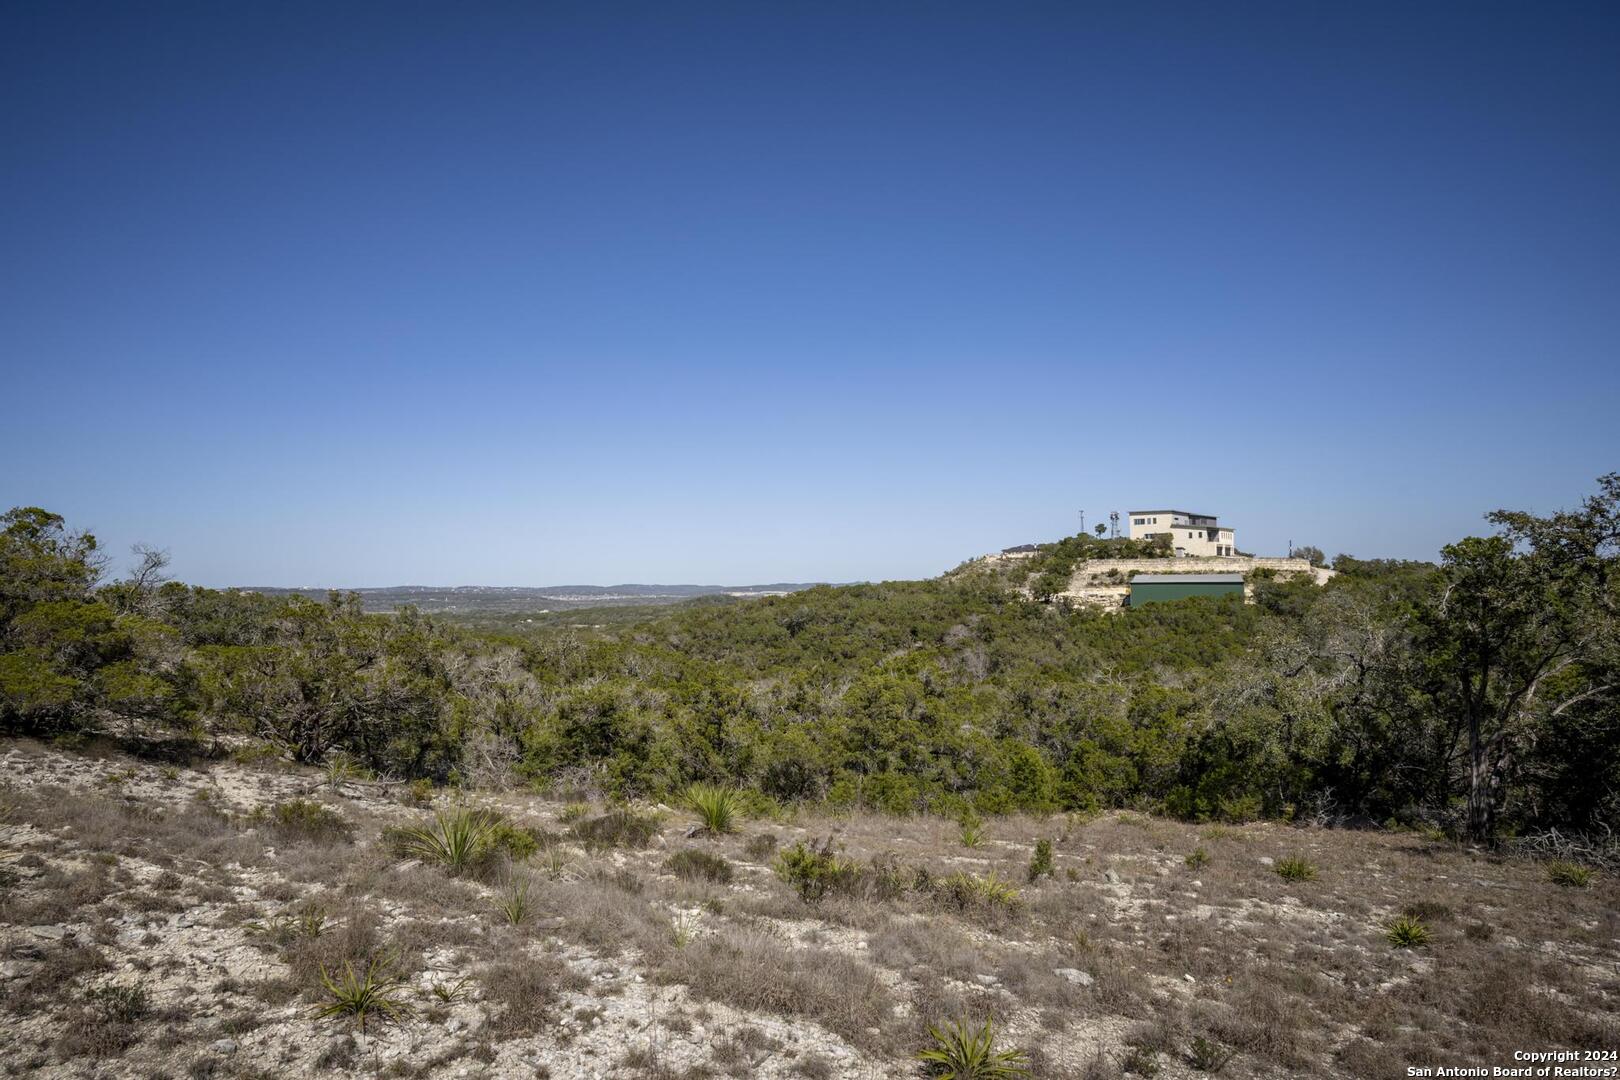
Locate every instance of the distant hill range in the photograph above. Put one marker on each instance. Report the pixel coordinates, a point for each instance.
(506, 599)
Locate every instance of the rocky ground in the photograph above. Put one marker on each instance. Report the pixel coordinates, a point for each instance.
(175, 920)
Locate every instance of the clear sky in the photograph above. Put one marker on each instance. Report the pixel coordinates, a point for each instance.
(339, 294)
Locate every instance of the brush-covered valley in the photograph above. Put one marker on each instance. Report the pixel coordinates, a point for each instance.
(921, 828)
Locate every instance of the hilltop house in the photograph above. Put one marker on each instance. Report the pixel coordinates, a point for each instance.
(1190, 534)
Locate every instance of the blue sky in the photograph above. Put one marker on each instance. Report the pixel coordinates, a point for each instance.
(532, 294)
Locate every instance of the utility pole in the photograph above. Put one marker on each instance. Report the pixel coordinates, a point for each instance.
(1082, 521)
(1113, 523)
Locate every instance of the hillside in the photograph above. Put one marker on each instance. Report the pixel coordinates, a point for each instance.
(1338, 829)
(175, 919)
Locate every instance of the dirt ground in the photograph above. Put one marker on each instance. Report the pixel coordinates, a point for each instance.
(176, 920)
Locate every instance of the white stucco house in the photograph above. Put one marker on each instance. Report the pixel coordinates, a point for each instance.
(1190, 533)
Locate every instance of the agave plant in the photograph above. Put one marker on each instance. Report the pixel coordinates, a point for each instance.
(358, 996)
(717, 807)
(961, 1053)
(456, 839)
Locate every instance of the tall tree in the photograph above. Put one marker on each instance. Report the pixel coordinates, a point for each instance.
(1523, 632)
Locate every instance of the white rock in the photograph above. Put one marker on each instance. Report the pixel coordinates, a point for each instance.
(1267, 860)
(223, 1046)
(1074, 975)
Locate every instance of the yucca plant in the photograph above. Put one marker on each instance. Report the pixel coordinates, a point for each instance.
(449, 993)
(962, 1053)
(1197, 858)
(1569, 874)
(972, 831)
(284, 928)
(341, 767)
(456, 839)
(717, 807)
(1405, 932)
(358, 996)
(968, 892)
(1295, 868)
(512, 903)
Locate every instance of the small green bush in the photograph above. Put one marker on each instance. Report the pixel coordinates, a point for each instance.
(1405, 932)
(1139, 1061)
(1208, 1056)
(120, 1004)
(717, 807)
(816, 871)
(695, 865)
(1197, 859)
(964, 1053)
(512, 841)
(1295, 868)
(1570, 875)
(1040, 864)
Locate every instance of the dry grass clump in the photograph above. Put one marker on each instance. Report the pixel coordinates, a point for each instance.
(1501, 997)
(751, 970)
(327, 943)
(761, 846)
(1261, 1017)
(697, 865)
(620, 827)
(525, 991)
(60, 895)
(306, 821)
